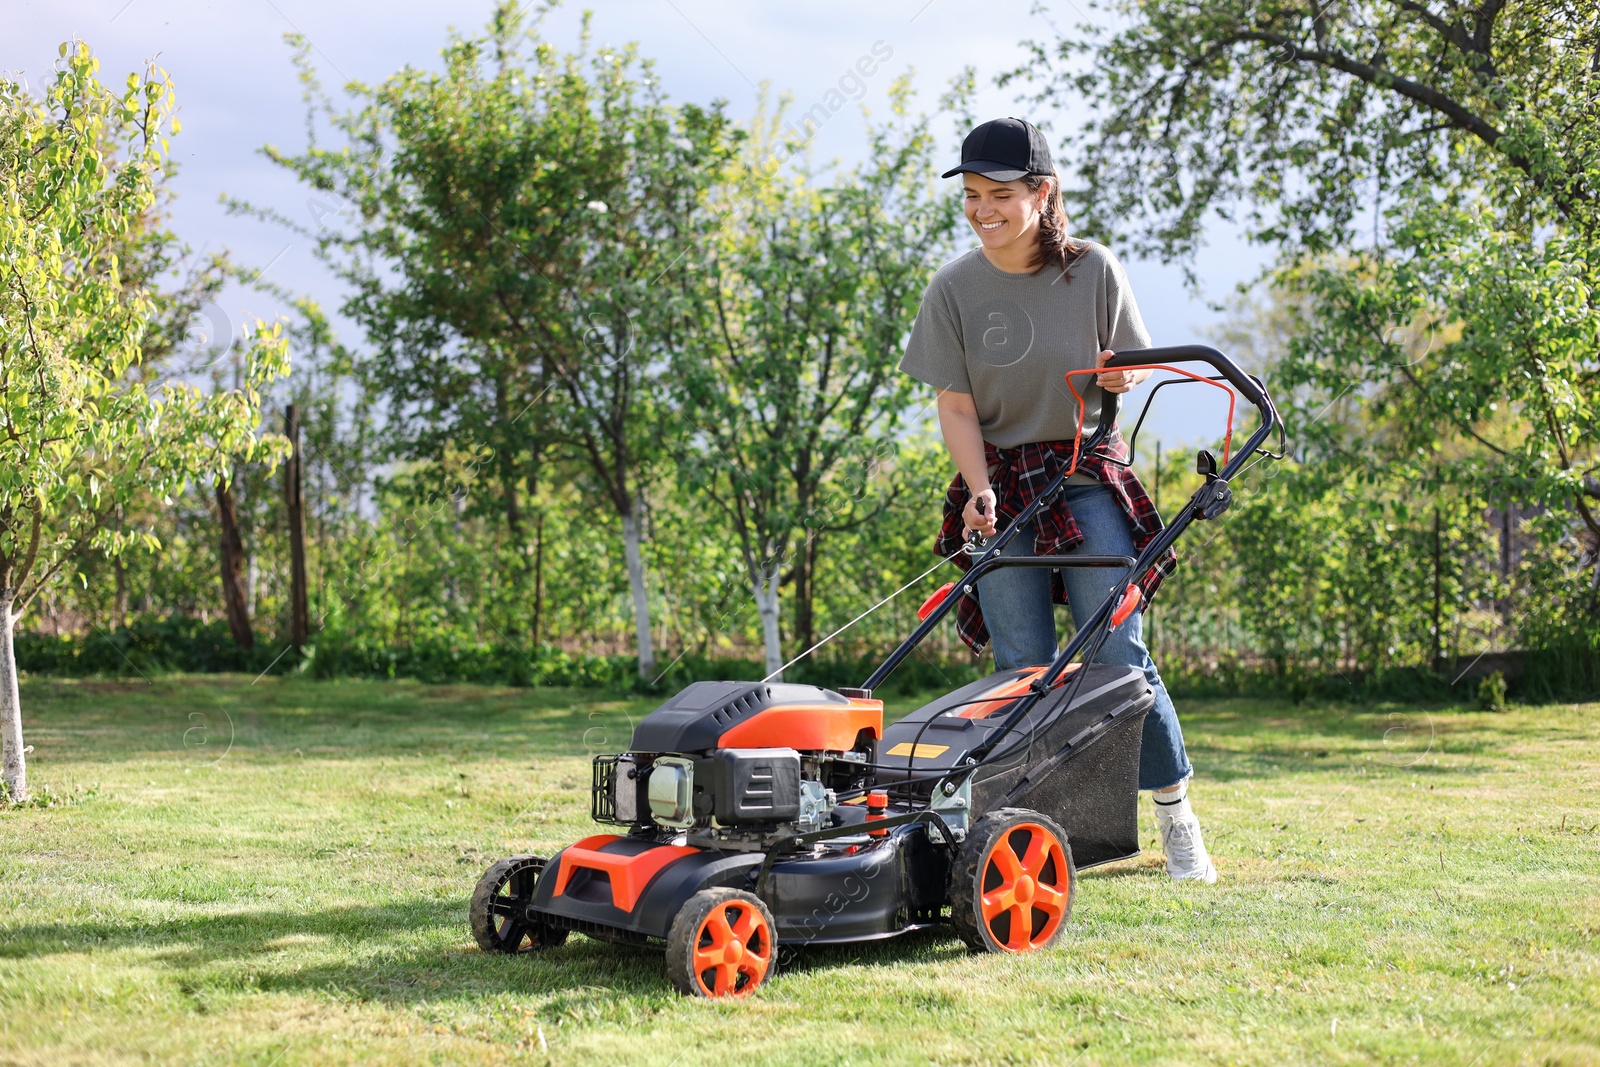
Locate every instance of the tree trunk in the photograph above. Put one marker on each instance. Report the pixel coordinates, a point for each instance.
(641, 605)
(1505, 540)
(508, 488)
(15, 772)
(766, 592)
(119, 607)
(507, 463)
(538, 575)
(805, 574)
(1594, 583)
(294, 505)
(538, 547)
(233, 592)
(1438, 620)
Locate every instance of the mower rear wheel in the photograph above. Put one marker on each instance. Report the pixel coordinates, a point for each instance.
(1012, 882)
(499, 910)
(721, 944)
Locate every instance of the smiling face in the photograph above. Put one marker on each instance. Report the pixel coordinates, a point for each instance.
(1005, 215)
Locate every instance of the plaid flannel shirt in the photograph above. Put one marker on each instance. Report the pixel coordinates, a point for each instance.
(1020, 475)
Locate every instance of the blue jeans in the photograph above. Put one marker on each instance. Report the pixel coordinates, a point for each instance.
(1022, 622)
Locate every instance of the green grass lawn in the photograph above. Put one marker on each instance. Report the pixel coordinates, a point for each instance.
(278, 874)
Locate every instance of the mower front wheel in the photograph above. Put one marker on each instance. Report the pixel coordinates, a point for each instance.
(721, 944)
(499, 909)
(1012, 882)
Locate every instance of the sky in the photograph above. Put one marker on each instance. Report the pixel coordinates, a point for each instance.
(237, 91)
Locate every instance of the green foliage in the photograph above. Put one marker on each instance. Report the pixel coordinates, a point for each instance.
(81, 438)
(787, 382)
(1474, 350)
(1430, 176)
(1492, 692)
(77, 438)
(447, 657)
(522, 227)
(152, 648)
(143, 647)
(1306, 115)
(44, 797)
(619, 353)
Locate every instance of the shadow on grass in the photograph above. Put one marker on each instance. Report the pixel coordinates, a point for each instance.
(1132, 867)
(283, 950)
(199, 939)
(936, 944)
(288, 950)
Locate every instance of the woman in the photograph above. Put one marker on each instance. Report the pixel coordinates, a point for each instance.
(998, 329)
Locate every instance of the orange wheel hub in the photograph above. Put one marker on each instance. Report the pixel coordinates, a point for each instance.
(733, 950)
(1025, 885)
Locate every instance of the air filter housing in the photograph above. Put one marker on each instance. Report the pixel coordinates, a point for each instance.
(749, 785)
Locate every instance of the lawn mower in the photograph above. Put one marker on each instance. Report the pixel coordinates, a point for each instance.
(752, 815)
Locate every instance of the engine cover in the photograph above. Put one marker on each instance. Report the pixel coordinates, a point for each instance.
(748, 785)
(710, 715)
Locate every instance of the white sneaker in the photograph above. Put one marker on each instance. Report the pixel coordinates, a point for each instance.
(1187, 859)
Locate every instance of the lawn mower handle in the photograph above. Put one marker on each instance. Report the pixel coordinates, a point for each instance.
(1110, 612)
(1248, 386)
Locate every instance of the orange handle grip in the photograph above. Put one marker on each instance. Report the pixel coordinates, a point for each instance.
(932, 603)
(1130, 604)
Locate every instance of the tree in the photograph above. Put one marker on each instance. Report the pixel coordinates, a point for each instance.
(1307, 114)
(1431, 175)
(79, 435)
(186, 333)
(520, 217)
(788, 383)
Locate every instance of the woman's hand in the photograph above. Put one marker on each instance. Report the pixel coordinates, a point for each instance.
(1117, 381)
(979, 512)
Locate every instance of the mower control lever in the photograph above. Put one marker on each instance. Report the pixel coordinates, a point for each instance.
(976, 540)
(1213, 499)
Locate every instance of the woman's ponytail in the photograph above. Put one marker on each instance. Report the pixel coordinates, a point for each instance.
(1056, 248)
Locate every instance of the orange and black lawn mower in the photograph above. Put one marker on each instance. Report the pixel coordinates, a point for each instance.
(752, 815)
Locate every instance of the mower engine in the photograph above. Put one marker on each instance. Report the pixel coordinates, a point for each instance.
(739, 765)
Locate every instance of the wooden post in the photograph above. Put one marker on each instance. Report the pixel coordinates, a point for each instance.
(233, 595)
(294, 504)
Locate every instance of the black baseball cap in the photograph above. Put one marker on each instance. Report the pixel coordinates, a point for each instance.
(1004, 150)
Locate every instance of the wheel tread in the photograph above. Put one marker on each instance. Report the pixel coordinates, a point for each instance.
(966, 875)
(683, 938)
(487, 905)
